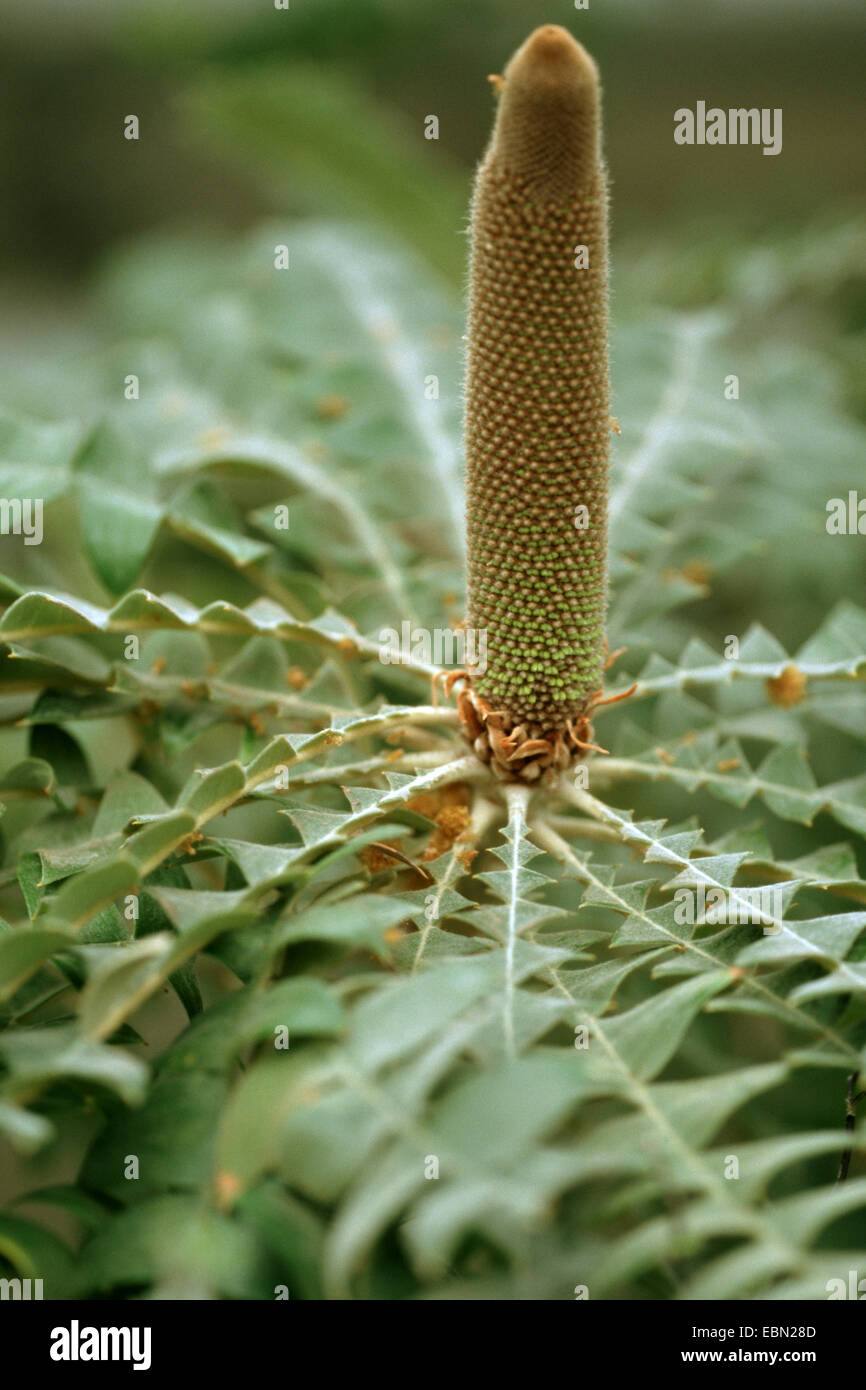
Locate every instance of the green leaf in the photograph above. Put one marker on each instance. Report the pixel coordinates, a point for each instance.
(38, 1056)
(35, 1253)
(22, 951)
(303, 1007)
(170, 1136)
(118, 518)
(177, 1246)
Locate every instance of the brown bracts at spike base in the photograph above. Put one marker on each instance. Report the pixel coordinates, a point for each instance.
(538, 414)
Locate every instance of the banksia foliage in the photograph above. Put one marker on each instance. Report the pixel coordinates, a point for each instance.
(447, 1037)
(538, 412)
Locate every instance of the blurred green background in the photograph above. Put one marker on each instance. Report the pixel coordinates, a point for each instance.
(244, 107)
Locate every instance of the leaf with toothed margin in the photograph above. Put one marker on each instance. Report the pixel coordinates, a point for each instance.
(826, 939)
(708, 869)
(398, 780)
(649, 927)
(362, 798)
(348, 1124)
(317, 827)
(647, 1036)
(783, 780)
(593, 987)
(38, 614)
(519, 913)
(259, 864)
(322, 829)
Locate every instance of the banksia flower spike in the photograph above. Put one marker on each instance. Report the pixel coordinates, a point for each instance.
(538, 414)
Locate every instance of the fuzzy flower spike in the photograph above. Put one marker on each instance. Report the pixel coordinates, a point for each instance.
(538, 420)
